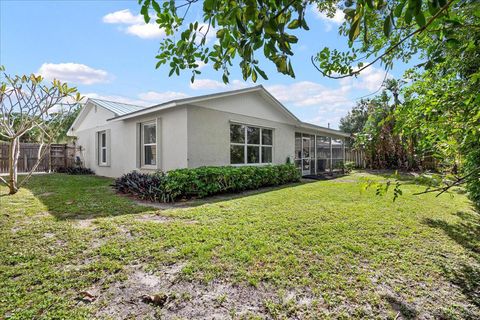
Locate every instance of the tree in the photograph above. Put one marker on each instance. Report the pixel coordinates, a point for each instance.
(356, 118)
(373, 123)
(442, 108)
(27, 105)
(380, 30)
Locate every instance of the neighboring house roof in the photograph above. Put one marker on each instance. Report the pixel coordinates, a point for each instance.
(118, 108)
(124, 111)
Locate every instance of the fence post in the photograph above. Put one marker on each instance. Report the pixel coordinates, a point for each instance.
(65, 155)
(49, 158)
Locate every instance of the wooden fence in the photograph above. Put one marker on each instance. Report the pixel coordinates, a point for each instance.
(58, 155)
(357, 157)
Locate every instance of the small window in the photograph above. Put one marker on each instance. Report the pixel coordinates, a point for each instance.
(149, 144)
(250, 145)
(102, 148)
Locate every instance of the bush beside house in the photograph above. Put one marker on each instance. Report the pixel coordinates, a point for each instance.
(203, 181)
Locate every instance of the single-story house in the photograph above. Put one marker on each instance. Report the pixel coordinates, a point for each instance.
(241, 127)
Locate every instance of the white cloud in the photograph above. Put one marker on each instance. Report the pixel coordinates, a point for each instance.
(370, 79)
(146, 31)
(143, 99)
(306, 93)
(201, 64)
(117, 98)
(158, 97)
(73, 72)
(330, 20)
(330, 104)
(135, 24)
(123, 17)
(207, 84)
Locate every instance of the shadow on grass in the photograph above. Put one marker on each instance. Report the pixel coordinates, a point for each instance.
(78, 197)
(191, 203)
(407, 311)
(467, 234)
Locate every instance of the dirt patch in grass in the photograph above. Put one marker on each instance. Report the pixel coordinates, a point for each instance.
(167, 295)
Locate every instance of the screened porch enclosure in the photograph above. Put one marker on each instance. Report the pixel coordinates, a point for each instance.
(316, 154)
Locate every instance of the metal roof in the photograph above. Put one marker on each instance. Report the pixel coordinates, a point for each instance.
(118, 108)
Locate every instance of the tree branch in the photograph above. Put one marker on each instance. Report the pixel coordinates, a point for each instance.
(3, 181)
(447, 187)
(389, 50)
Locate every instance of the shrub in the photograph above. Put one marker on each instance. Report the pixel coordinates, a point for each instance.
(349, 166)
(143, 185)
(204, 181)
(74, 170)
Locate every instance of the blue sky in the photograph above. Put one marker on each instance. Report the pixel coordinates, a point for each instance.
(105, 49)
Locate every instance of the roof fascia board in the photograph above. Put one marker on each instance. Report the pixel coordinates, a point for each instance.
(333, 132)
(81, 115)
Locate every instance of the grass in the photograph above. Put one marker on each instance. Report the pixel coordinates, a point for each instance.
(314, 250)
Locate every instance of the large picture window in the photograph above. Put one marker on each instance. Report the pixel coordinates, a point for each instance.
(149, 144)
(102, 148)
(250, 145)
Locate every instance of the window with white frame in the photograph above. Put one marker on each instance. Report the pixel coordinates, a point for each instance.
(149, 143)
(102, 147)
(250, 144)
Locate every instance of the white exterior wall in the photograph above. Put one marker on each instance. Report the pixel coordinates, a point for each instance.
(209, 136)
(124, 141)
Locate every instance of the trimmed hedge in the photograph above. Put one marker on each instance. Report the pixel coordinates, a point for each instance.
(204, 181)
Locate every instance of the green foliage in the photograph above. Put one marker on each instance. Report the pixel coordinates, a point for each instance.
(442, 107)
(356, 118)
(386, 31)
(374, 125)
(472, 167)
(349, 166)
(204, 181)
(145, 186)
(243, 29)
(377, 30)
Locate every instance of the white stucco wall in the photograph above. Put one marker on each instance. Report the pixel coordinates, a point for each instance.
(209, 136)
(253, 104)
(171, 145)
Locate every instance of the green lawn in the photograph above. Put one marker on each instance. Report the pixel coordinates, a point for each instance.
(325, 249)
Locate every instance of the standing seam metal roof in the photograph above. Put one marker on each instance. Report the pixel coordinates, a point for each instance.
(118, 108)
